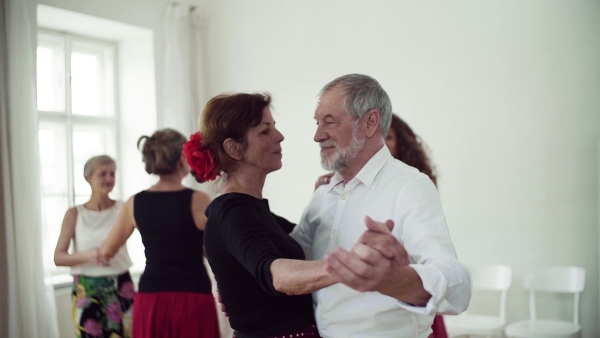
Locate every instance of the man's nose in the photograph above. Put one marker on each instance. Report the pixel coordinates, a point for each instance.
(320, 135)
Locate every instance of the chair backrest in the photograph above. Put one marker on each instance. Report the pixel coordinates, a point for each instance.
(493, 278)
(558, 279)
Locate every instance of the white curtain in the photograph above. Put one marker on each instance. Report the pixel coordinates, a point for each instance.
(183, 79)
(29, 294)
(182, 63)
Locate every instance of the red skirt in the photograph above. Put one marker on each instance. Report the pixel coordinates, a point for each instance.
(439, 329)
(175, 315)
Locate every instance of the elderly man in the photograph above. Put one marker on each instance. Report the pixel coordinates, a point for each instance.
(396, 275)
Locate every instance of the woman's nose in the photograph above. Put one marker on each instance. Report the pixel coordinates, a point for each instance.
(279, 136)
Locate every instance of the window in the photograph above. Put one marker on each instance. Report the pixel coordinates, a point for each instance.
(78, 119)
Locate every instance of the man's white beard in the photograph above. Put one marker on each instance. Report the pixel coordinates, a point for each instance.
(341, 159)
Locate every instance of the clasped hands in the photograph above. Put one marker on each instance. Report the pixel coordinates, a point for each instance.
(377, 262)
(93, 256)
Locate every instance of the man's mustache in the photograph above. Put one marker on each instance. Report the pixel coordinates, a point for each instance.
(328, 143)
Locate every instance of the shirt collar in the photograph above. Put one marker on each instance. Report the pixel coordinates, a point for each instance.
(367, 174)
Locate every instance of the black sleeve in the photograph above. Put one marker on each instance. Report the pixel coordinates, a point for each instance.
(247, 239)
(284, 223)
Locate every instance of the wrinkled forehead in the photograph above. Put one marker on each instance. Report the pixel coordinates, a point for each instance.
(331, 103)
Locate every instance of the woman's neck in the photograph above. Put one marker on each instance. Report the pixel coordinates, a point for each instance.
(168, 182)
(244, 183)
(99, 202)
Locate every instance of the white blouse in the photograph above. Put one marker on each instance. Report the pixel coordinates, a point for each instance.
(91, 228)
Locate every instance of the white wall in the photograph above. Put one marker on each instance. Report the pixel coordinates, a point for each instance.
(505, 93)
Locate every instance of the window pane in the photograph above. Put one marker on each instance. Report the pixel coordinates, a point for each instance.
(45, 86)
(53, 158)
(50, 73)
(89, 141)
(91, 79)
(84, 84)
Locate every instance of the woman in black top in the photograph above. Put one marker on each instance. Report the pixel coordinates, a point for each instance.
(263, 280)
(174, 298)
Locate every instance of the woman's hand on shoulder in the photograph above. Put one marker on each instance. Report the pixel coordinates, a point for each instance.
(323, 180)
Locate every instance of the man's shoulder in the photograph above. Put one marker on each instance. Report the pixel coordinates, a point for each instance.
(397, 172)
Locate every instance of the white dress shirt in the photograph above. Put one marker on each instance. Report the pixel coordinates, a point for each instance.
(385, 188)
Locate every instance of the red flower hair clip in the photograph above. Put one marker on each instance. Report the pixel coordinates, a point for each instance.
(200, 159)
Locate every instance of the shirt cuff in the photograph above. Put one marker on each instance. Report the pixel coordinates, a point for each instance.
(435, 283)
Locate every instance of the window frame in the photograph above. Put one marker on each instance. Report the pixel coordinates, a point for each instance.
(70, 121)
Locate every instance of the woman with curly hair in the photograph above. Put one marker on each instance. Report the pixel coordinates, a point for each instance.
(407, 147)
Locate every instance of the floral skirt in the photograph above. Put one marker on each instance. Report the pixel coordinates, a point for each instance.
(103, 306)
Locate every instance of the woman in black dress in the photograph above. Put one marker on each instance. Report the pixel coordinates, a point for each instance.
(263, 279)
(174, 298)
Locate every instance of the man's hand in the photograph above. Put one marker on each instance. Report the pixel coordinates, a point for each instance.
(379, 237)
(377, 261)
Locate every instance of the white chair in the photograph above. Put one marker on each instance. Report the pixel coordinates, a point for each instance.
(566, 279)
(484, 278)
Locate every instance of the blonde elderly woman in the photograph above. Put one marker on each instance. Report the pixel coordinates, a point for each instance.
(102, 295)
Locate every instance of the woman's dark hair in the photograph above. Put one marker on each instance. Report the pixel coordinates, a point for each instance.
(162, 151)
(410, 149)
(230, 116)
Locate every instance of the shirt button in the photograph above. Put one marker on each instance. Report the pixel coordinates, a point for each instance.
(320, 301)
(333, 232)
(343, 197)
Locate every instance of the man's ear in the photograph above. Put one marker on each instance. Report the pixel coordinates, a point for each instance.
(233, 149)
(372, 122)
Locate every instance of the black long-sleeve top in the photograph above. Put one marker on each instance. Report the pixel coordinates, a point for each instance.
(242, 238)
